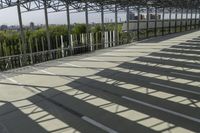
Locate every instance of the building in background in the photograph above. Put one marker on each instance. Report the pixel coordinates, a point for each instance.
(32, 26)
(3, 27)
(142, 17)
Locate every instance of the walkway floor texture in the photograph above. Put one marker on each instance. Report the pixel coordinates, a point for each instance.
(151, 86)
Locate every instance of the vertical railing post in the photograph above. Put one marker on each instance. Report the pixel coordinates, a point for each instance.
(22, 35)
(186, 20)
(147, 22)
(199, 20)
(68, 32)
(196, 18)
(163, 22)
(128, 23)
(31, 51)
(191, 19)
(87, 24)
(156, 20)
(170, 19)
(138, 23)
(62, 46)
(102, 27)
(181, 28)
(91, 42)
(176, 15)
(116, 25)
(47, 28)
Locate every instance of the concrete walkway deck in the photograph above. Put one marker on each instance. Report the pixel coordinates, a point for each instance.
(151, 86)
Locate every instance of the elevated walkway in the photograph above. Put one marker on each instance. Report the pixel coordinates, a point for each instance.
(149, 86)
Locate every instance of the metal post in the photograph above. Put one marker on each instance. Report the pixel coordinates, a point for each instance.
(42, 39)
(170, 19)
(68, 31)
(62, 46)
(47, 26)
(147, 30)
(31, 51)
(163, 22)
(138, 24)
(176, 15)
(87, 24)
(23, 39)
(102, 26)
(191, 19)
(116, 25)
(196, 18)
(186, 20)
(199, 20)
(181, 28)
(128, 22)
(156, 19)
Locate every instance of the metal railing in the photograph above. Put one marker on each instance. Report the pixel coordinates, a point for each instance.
(37, 52)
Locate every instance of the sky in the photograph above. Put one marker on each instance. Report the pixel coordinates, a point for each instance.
(9, 17)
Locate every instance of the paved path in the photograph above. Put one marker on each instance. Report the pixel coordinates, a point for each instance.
(151, 86)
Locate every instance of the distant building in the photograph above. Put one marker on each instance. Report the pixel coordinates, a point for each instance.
(13, 27)
(153, 17)
(4, 27)
(32, 26)
(143, 22)
(132, 16)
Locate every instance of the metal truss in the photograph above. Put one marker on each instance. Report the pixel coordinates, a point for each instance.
(95, 5)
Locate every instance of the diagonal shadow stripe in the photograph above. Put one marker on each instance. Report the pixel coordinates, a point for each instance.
(180, 56)
(182, 51)
(186, 47)
(169, 62)
(194, 40)
(149, 82)
(70, 103)
(162, 71)
(16, 121)
(188, 44)
(113, 93)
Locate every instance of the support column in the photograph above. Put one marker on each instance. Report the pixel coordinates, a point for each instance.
(138, 23)
(22, 34)
(47, 26)
(69, 31)
(156, 20)
(163, 22)
(87, 24)
(176, 15)
(147, 30)
(196, 18)
(199, 20)
(128, 22)
(102, 27)
(186, 20)
(170, 19)
(181, 28)
(191, 19)
(116, 25)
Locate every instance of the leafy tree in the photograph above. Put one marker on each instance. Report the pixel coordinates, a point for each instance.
(38, 33)
(78, 29)
(96, 28)
(2, 36)
(58, 30)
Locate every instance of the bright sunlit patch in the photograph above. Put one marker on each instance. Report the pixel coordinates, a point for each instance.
(127, 113)
(150, 91)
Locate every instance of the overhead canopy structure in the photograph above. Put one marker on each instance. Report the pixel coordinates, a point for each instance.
(95, 5)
